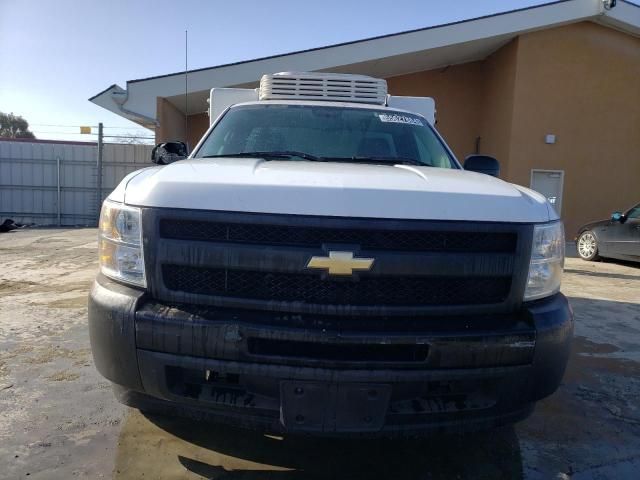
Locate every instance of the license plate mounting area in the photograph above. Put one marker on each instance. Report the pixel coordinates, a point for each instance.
(333, 407)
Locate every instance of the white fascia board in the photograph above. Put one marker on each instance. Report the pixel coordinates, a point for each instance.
(142, 94)
(105, 99)
(624, 16)
(113, 99)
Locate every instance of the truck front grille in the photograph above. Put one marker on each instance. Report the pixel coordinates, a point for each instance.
(291, 287)
(259, 262)
(366, 238)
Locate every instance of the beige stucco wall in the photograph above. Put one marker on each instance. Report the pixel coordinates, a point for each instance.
(498, 84)
(582, 83)
(473, 100)
(170, 121)
(171, 124)
(197, 125)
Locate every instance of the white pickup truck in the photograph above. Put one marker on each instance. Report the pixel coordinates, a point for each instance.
(321, 263)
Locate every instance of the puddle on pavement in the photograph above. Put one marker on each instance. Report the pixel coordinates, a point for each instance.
(591, 422)
(589, 358)
(584, 346)
(159, 448)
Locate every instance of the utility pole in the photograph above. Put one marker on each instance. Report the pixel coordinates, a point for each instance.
(99, 173)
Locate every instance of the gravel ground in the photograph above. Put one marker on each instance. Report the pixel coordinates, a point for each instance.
(58, 418)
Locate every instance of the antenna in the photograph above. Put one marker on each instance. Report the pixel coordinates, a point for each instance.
(186, 73)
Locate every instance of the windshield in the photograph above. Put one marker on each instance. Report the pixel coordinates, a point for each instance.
(321, 133)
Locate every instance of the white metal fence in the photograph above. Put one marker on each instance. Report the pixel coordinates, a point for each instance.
(55, 183)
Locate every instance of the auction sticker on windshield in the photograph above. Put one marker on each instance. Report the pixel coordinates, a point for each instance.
(397, 118)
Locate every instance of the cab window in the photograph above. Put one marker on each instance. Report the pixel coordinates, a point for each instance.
(329, 133)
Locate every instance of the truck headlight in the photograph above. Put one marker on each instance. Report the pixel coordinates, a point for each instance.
(547, 261)
(120, 243)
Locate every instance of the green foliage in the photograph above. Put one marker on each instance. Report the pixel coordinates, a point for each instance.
(12, 126)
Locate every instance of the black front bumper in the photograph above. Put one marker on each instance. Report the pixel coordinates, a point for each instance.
(291, 373)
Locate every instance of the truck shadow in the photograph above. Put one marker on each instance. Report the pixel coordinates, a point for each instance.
(186, 449)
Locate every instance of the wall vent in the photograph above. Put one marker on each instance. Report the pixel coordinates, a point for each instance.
(328, 87)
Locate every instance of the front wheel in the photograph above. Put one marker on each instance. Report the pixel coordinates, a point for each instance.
(588, 246)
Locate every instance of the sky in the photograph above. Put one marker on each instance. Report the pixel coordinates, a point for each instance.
(55, 54)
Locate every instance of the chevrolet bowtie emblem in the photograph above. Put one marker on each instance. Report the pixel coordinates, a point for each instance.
(340, 263)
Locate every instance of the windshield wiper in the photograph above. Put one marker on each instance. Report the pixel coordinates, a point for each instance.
(382, 160)
(285, 154)
(288, 154)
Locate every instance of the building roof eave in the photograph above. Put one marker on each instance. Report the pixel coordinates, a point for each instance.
(625, 16)
(113, 98)
(386, 56)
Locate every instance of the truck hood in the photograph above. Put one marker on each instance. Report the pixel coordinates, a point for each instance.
(332, 189)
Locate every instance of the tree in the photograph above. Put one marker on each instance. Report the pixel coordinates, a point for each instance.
(133, 138)
(12, 126)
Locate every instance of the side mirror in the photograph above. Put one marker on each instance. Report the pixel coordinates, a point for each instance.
(482, 164)
(169, 152)
(617, 217)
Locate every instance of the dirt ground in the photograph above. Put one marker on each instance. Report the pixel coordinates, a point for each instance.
(59, 420)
